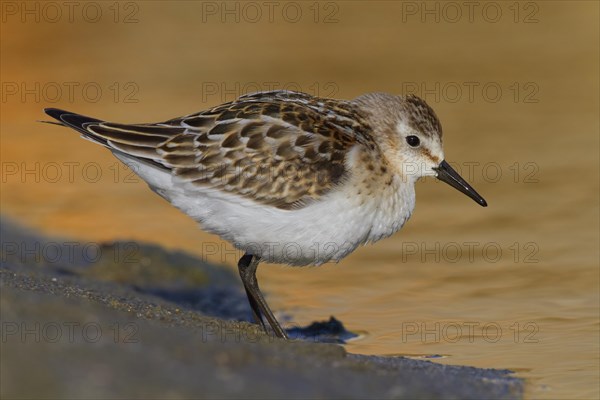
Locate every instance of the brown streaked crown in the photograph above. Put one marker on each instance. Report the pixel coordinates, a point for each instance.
(422, 117)
(387, 110)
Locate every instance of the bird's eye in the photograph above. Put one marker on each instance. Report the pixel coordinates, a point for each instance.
(413, 141)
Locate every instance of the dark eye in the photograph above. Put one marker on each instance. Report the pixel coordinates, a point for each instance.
(413, 141)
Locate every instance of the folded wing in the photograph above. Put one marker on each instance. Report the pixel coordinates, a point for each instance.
(283, 152)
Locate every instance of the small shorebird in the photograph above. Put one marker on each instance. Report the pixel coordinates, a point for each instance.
(285, 176)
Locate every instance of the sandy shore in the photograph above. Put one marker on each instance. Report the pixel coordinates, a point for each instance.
(126, 320)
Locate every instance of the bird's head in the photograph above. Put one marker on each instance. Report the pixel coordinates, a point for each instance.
(411, 138)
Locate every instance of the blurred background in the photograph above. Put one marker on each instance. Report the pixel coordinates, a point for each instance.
(515, 84)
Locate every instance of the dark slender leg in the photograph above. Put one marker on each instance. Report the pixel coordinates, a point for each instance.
(247, 267)
(255, 310)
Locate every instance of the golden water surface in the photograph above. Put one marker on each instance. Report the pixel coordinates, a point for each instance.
(514, 285)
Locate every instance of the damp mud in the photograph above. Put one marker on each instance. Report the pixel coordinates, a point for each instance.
(154, 323)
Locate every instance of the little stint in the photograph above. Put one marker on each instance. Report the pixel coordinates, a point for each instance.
(285, 176)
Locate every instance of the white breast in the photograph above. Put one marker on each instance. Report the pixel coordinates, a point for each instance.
(327, 229)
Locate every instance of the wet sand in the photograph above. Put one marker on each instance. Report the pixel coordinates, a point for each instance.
(75, 330)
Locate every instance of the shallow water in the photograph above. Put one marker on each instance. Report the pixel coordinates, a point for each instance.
(515, 285)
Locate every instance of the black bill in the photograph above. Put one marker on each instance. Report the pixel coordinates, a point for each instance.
(446, 173)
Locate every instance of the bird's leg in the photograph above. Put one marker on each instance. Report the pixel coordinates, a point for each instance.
(247, 267)
(243, 265)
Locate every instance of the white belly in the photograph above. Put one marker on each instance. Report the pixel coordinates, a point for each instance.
(325, 230)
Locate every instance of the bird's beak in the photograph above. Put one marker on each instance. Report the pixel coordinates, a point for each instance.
(446, 173)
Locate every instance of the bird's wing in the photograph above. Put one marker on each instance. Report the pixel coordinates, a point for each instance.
(273, 148)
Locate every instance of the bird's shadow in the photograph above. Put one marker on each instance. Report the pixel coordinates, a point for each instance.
(220, 302)
(148, 269)
(228, 303)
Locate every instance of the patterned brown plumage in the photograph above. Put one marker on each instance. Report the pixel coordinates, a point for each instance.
(282, 149)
